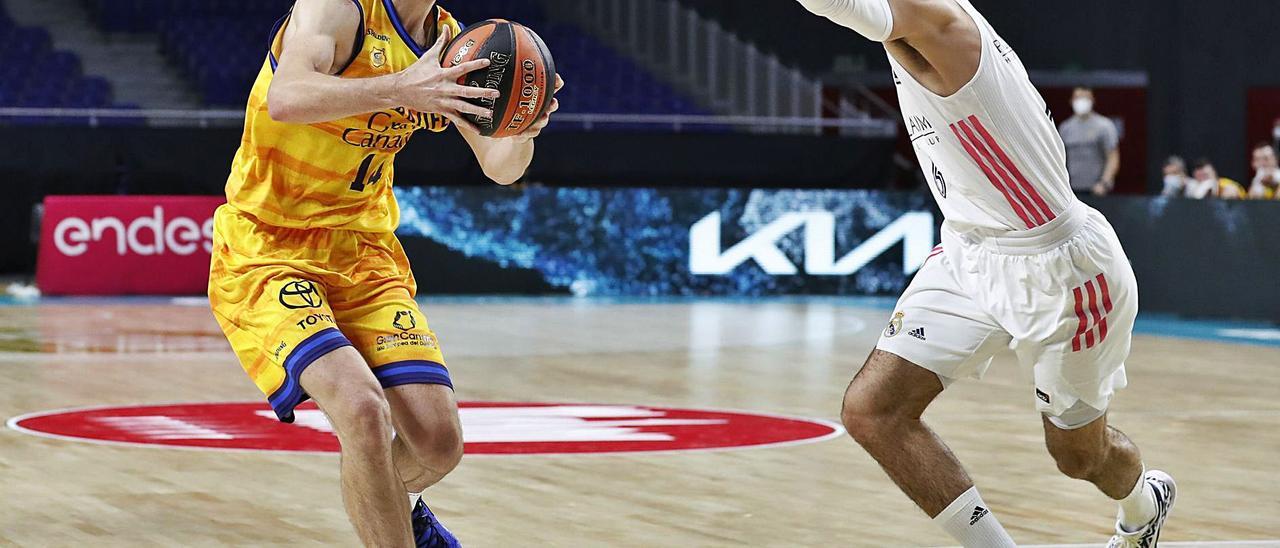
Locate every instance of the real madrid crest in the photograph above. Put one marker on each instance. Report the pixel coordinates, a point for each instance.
(895, 325)
(379, 57)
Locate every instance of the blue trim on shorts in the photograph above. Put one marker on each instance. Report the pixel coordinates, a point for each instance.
(412, 372)
(290, 393)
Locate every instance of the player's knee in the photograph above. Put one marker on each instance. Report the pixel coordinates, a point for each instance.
(438, 448)
(1078, 463)
(861, 417)
(362, 418)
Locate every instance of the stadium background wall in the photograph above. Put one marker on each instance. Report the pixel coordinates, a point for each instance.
(657, 242)
(1199, 74)
(60, 160)
(1228, 269)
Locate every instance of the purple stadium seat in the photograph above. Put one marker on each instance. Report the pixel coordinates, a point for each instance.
(220, 45)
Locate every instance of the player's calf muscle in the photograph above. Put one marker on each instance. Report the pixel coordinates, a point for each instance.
(1081, 463)
(1097, 453)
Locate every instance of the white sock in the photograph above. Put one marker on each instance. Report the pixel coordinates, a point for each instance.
(1139, 508)
(970, 521)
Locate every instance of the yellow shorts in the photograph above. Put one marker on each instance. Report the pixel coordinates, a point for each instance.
(285, 297)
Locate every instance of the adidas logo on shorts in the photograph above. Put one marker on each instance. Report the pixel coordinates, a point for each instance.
(978, 513)
(918, 333)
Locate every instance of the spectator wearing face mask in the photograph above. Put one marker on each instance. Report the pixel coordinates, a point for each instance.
(1207, 184)
(1176, 180)
(1266, 174)
(1093, 153)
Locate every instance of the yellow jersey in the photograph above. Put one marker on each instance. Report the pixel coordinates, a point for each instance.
(1259, 191)
(335, 174)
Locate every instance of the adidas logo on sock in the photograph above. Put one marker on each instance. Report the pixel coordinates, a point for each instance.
(918, 333)
(978, 513)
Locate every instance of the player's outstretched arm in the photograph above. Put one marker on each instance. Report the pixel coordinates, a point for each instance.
(888, 20)
(506, 160)
(935, 40)
(872, 19)
(319, 40)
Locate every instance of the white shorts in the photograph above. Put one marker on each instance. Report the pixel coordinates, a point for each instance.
(1062, 296)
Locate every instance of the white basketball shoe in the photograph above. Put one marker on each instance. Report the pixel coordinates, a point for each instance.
(1149, 536)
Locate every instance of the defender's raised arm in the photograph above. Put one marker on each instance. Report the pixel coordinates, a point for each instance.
(888, 20)
(934, 40)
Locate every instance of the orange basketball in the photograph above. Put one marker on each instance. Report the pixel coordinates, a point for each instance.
(520, 67)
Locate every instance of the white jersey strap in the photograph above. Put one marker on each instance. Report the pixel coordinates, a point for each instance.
(870, 18)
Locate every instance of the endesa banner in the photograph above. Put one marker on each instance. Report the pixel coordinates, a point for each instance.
(126, 245)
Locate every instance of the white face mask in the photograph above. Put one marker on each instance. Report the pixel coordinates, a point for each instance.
(1082, 106)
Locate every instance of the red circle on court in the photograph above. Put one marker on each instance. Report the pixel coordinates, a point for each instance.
(490, 428)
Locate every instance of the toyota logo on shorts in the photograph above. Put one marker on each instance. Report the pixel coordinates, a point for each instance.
(300, 294)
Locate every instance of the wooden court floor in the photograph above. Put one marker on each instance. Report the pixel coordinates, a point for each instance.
(1208, 412)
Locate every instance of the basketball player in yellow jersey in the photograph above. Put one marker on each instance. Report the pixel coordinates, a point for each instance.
(308, 280)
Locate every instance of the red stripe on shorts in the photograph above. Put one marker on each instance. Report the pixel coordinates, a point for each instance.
(1093, 310)
(1106, 306)
(1106, 292)
(1084, 322)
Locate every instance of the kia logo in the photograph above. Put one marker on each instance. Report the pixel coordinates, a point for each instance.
(707, 256)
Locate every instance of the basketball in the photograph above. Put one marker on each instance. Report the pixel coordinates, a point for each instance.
(522, 69)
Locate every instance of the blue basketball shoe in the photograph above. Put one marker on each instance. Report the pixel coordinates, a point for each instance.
(428, 532)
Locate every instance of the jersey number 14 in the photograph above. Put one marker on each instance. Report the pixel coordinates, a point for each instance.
(363, 178)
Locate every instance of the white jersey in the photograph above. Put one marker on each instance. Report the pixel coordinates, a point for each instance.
(991, 150)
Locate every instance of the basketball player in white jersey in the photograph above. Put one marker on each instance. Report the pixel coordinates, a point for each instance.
(1023, 264)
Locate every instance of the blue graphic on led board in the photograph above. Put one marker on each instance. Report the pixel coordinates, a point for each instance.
(637, 242)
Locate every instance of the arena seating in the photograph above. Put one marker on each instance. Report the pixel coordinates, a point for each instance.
(33, 74)
(220, 45)
(145, 16)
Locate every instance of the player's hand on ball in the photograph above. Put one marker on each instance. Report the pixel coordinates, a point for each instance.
(428, 87)
(536, 129)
